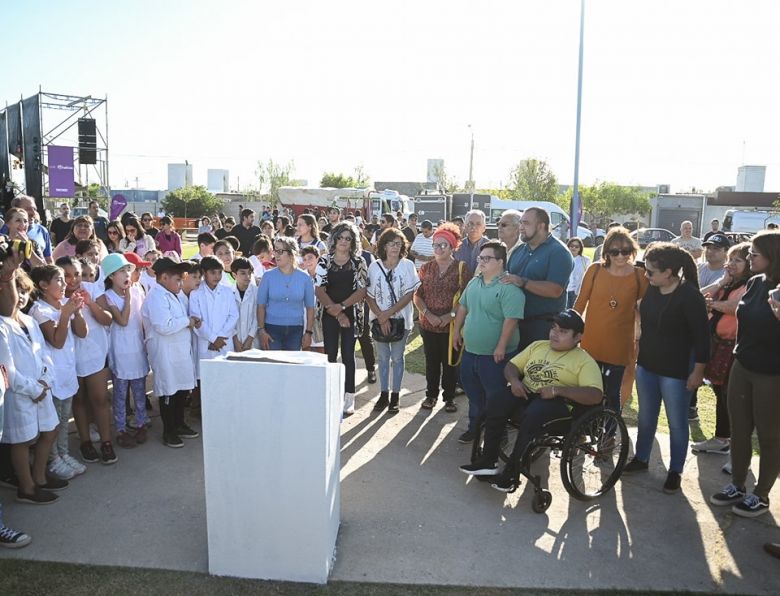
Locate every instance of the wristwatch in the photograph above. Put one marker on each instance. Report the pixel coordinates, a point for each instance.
(343, 306)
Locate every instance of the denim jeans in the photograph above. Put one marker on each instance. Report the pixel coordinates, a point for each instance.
(652, 390)
(391, 354)
(64, 408)
(285, 337)
(612, 377)
(481, 378)
(334, 334)
(571, 298)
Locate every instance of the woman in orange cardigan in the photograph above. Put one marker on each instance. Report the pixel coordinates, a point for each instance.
(608, 300)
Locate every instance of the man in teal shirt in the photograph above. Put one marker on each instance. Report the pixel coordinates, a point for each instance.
(541, 267)
(486, 327)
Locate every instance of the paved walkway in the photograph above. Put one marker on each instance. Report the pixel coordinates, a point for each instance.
(409, 516)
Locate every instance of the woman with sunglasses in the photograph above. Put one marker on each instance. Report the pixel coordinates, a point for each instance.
(284, 295)
(608, 299)
(674, 349)
(340, 280)
(752, 393)
(581, 264)
(116, 235)
(440, 281)
(392, 280)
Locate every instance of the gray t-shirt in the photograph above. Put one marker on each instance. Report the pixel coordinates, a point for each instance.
(709, 276)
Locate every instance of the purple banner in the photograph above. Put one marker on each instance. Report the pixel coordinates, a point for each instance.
(118, 203)
(61, 183)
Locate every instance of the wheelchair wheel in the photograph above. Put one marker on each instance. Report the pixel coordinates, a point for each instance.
(594, 453)
(541, 502)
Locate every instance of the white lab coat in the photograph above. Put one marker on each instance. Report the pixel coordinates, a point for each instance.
(168, 342)
(91, 351)
(127, 356)
(65, 383)
(26, 361)
(247, 313)
(218, 312)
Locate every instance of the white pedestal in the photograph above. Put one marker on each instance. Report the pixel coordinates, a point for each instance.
(271, 456)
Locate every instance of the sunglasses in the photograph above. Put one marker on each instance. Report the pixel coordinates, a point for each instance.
(613, 252)
(441, 245)
(113, 232)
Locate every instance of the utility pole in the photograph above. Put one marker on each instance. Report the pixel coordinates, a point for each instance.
(576, 201)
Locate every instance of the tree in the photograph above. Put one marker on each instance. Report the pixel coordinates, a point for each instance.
(271, 176)
(362, 180)
(332, 180)
(533, 180)
(605, 199)
(191, 201)
(447, 184)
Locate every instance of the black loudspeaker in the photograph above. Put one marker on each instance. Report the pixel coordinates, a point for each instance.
(87, 141)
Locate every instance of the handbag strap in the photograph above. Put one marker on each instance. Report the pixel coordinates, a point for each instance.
(388, 275)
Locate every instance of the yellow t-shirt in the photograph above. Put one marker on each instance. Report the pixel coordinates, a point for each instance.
(542, 366)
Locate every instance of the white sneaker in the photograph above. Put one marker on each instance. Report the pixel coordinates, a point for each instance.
(713, 445)
(349, 403)
(74, 464)
(94, 435)
(60, 469)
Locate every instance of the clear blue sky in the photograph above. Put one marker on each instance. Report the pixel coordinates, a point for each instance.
(674, 92)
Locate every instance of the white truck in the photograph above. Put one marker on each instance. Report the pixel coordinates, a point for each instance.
(748, 221)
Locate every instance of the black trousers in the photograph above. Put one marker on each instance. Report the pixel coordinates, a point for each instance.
(172, 411)
(437, 369)
(335, 335)
(366, 343)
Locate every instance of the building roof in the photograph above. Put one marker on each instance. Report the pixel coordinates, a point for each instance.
(744, 199)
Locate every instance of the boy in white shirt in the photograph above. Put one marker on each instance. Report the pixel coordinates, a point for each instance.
(206, 242)
(245, 293)
(169, 345)
(213, 303)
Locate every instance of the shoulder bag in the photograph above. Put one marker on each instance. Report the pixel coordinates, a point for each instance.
(397, 325)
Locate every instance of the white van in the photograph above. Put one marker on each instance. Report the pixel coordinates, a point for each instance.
(748, 221)
(557, 215)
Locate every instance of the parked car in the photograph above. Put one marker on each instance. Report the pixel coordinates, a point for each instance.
(645, 236)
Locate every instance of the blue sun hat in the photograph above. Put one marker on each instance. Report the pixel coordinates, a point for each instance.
(113, 263)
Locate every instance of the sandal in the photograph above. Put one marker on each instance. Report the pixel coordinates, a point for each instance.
(449, 406)
(428, 403)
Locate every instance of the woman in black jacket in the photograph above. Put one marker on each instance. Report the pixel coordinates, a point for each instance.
(673, 350)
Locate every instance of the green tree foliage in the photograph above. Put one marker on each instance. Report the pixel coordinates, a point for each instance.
(533, 180)
(604, 199)
(333, 180)
(192, 201)
(271, 176)
(362, 180)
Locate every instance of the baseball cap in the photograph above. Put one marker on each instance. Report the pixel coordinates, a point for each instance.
(719, 240)
(134, 259)
(167, 264)
(570, 319)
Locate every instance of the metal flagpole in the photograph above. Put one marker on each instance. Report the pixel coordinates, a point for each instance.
(576, 201)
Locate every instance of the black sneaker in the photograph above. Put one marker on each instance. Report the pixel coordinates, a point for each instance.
(480, 467)
(672, 484)
(467, 437)
(88, 452)
(107, 455)
(38, 497)
(371, 378)
(53, 484)
(172, 440)
(148, 404)
(505, 483)
(635, 466)
(751, 506)
(10, 482)
(12, 538)
(729, 495)
(185, 432)
(693, 414)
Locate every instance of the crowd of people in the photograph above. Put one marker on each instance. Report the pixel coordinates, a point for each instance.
(525, 325)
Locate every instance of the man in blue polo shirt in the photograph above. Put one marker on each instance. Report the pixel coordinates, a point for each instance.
(35, 231)
(541, 267)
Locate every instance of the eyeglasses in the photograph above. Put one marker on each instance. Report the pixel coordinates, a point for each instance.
(345, 238)
(441, 245)
(395, 244)
(281, 251)
(613, 252)
(486, 258)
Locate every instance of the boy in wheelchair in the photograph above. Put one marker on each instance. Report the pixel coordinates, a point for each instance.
(546, 381)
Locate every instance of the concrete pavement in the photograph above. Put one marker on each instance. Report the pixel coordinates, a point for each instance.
(410, 516)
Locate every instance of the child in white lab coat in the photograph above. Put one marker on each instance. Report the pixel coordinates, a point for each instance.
(245, 294)
(127, 353)
(214, 305)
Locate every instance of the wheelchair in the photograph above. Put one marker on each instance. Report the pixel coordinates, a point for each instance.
(592, 445)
